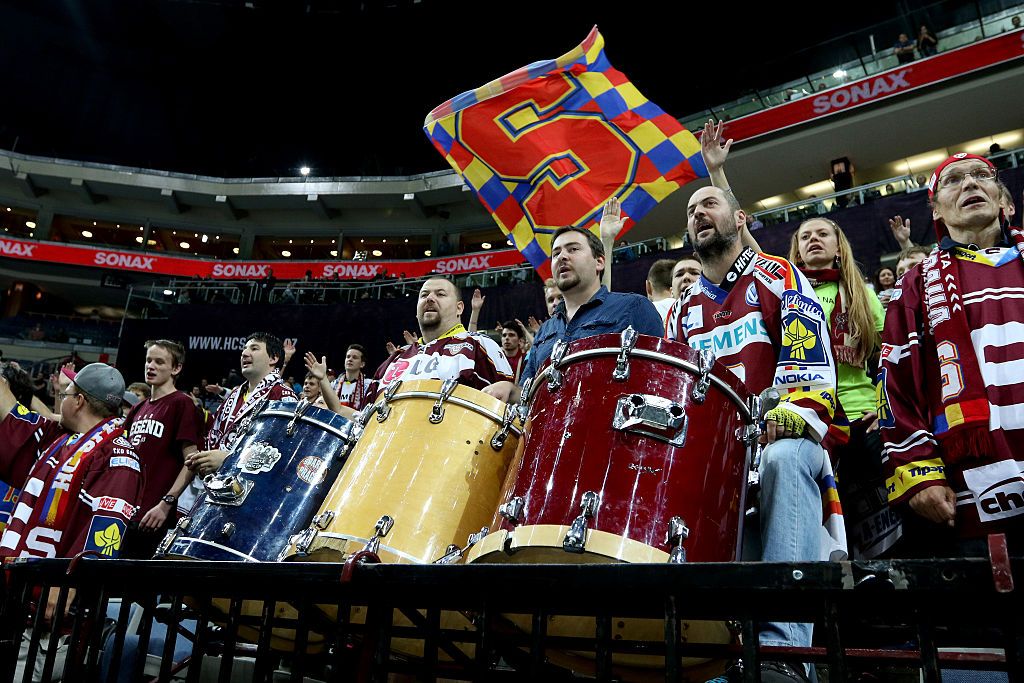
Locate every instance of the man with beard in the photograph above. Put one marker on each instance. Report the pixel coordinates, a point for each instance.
(950, 378)
(760, 317)
(261, 356)
(587, 308)
(164, 429)
(445, 350)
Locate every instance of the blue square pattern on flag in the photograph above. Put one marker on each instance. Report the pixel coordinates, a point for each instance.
(666, 156)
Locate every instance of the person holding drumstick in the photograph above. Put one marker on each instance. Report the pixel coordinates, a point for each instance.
(587, 308)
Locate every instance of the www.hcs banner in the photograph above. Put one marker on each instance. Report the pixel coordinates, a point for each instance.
(180, 266)
(547, 145)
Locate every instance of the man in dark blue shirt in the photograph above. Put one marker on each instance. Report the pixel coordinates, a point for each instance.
(588, 309)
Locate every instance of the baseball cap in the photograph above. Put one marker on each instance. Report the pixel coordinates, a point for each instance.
(131, 398)
(101, 382)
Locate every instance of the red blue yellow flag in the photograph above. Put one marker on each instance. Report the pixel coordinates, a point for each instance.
(547, 145)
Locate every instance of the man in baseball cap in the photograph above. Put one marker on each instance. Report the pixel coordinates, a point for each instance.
(951, 377)
(100, 478)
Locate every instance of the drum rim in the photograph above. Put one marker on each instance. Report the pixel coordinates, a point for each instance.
(337, 431)
(650, 355)
(454, 400)
(214, 544)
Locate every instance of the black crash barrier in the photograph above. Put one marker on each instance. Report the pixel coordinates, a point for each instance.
(320, 621)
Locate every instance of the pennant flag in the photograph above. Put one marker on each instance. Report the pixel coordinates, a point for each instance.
(547, 145)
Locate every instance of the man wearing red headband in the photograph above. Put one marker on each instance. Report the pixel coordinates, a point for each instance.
(951, 389)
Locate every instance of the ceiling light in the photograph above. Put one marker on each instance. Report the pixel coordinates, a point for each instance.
(311, 241)
(426, 253)
(168, 292)
(839, 74)
(197, 234)
(183, 245)
(93, 223)
(174, 232)
(218, 237)
(119, 225)
(377, 252)
(30, 224)
(286, 253)
(206, 238)
(334, 254)
(407, 240)
(485, 245)
(151, 243)
(289, 241)
(234, 250)
(140, 227)
(304, 170)
(509, 242)
(409, 195)
(361, 241)
(8, 208)
(139, 240)
(86, 233)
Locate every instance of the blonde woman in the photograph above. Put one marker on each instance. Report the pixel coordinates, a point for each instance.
(822, 252)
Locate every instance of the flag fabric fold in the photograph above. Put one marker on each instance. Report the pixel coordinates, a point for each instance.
(548, 144)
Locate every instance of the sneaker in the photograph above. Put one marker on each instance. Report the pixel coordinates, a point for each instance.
(782, 672)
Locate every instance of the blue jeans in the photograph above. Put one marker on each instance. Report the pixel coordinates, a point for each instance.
(790, 517)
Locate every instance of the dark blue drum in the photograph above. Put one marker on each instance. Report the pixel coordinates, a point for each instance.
(269, 487)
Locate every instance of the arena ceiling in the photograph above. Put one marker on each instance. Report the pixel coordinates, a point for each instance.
(243, 88)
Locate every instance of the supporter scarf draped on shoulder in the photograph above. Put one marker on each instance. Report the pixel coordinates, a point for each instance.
(547, 145)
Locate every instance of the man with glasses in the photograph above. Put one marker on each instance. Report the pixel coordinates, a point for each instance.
(951, 389)
(85, 489)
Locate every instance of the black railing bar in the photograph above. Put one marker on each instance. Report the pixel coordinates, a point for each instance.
(263, 671)
(227, 657)
(56, 623)
(145, 628)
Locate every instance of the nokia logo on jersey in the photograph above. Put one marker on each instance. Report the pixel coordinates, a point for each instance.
(16, 249)
(799, 378)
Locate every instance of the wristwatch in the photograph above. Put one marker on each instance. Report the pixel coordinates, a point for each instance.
(169, 499)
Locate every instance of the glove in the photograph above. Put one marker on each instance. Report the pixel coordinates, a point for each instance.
(787, 420)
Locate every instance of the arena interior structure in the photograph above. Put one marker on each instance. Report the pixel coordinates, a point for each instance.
(97, 257)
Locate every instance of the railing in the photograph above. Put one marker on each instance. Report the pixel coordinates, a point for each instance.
(864, 53)
(503, 621)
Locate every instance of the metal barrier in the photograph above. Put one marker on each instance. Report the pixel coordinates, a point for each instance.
(238, 621)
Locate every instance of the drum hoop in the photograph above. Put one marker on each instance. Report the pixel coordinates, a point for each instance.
(650, 355)
(458, 401)
(310, 420)
(382, 546)
(218, 546)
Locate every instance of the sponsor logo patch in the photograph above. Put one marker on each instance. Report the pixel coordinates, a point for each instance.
(105, 535)
(125, 461)
(998, 490)
(312, 470)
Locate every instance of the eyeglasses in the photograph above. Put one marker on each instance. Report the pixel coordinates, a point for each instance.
(984, 173)
(63, 395)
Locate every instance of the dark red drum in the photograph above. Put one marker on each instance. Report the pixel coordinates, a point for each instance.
(635, 455)
(635, 449)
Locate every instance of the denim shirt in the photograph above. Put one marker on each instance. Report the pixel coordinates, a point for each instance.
(606, 312)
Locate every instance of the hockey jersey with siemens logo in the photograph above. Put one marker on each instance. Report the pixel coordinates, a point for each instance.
(914, 372)
(473, 359)
(766, 325)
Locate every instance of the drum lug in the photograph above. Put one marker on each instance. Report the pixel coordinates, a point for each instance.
(380, 530)
(383, 409)
(705, 362)
(629, 337)
(304, 540)
(499, 438)
(437, 411)
(227, 530)
(324, 519)
(665, 419)
(677, 534)
(576, 538)
(300, 408)
(227, 489)
(454, 553)
(557, 354)
(524, 396)
(512, 510)
(171, 536)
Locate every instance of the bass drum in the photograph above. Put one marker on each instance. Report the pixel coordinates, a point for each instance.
(420, 485)
(635, 450)
(267, 490)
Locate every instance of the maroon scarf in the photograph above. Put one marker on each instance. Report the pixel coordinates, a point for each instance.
(844, 350)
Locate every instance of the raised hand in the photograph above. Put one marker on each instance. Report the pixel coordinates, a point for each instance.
(712, 148)
(316, 368)
(611, 219)
(477, 302)
(901, 231)
(289, 351)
